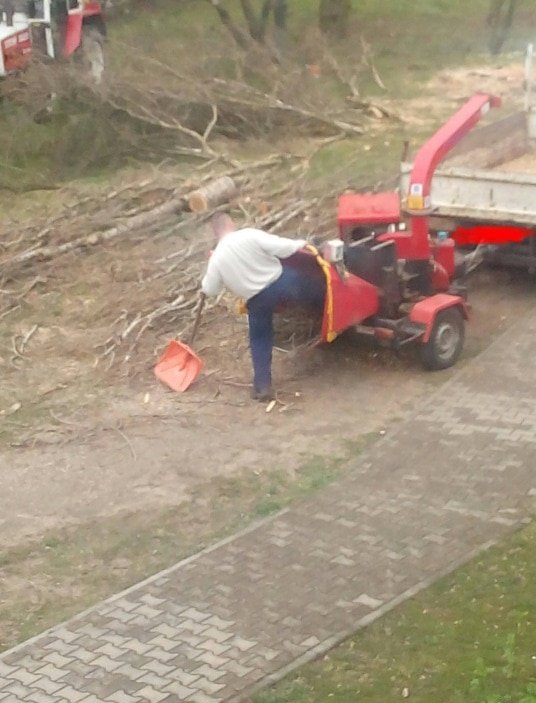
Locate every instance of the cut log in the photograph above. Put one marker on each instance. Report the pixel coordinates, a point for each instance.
(216, 193)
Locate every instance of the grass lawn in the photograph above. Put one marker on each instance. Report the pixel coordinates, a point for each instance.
(409, 41)
(471, 638)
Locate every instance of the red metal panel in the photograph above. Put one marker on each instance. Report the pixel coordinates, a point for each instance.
(443, 253)
(368, 208)
(353, 299)
(73, 34)
(403, 243)
(91, 8)
(491, 234)
(425, 311)
(16, 50)
(440, 278)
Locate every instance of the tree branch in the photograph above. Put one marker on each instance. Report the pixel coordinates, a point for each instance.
(280, 14)
(252, 21)
(239, 37)
(266, 11)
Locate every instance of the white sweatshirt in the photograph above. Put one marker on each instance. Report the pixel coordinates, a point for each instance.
(246, 261)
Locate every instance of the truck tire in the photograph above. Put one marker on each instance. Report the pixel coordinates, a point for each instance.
(445, 345)
(91, 53)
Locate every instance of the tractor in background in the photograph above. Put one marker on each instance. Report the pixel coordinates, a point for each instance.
(52, 29)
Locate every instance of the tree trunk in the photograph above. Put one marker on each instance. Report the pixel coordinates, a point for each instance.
(334, 15)
(257, 21)
(280, 25)
(227, 21)
(266, 11)
(500, 17)
(215, 193)
(252, 20)
(281, 14)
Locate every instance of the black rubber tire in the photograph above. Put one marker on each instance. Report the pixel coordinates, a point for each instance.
(445, 345)
(91, 54)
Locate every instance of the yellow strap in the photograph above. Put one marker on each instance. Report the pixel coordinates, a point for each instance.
(331, 335)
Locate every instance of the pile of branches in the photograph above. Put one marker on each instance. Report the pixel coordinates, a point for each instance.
(275, 194)
(230, 108)
(196, 103)
(152, 208)
(163, 301)
(288, 210)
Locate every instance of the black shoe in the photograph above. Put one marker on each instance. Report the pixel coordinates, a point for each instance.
(263, 396)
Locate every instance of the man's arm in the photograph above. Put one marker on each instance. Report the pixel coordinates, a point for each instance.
(212, 283)
(282, 247)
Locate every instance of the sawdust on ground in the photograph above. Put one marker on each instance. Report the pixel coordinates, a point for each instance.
(523, 164)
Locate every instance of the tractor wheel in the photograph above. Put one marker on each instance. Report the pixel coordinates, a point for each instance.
(446, 341)
(92, 54)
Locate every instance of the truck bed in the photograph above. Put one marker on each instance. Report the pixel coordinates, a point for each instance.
(490, 176)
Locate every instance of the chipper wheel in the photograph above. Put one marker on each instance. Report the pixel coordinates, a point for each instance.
(446, 341)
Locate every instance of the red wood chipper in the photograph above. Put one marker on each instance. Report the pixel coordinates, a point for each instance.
(387, 276)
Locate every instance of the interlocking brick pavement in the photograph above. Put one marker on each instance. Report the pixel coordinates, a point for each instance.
(449, 480)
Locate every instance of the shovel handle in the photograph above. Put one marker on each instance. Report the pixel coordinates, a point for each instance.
(200, 306)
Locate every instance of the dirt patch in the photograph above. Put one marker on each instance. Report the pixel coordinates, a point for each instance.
(450, 88)
(161, 449)
(153, 447)
(459, 84)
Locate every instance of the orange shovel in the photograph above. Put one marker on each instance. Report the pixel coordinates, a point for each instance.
(179, 366)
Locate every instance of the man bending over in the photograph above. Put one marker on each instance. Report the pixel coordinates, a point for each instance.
(248, 262)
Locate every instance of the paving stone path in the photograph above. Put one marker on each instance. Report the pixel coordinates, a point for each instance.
(449, 480)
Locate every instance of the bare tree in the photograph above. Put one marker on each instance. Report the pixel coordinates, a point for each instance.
(333, 16)
(256, 19)
(500, 18)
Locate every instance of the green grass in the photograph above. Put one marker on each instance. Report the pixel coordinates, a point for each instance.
(316, 472)
(471, 638)
(409, 42)
(355, 163)
(66, 571)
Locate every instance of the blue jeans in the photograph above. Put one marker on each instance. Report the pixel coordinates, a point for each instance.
(293, 286)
